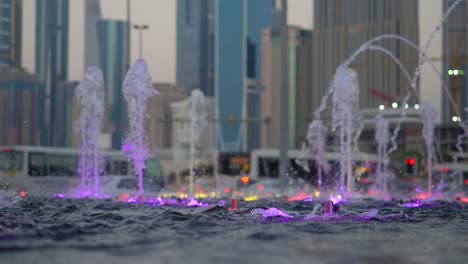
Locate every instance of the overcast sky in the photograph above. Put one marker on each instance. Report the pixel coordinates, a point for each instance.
(159, 42)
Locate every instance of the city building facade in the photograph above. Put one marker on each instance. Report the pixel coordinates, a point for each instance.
(181, 126)
(10, 32)
(92, 16)
(159, 123)
(341, 26)
(20, 107)
(195, 45)
(454, 69)
(238, 66)
(113, 61)
(299, 86)
(51, 62)
(66, 114)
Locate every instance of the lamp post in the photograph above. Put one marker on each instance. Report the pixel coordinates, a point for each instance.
(140, 28)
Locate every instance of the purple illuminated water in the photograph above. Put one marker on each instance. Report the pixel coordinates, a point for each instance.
(382, 137)
(315, 150)
(346, 120)
(137, 89)
(90, 96)
(198, 122)
(271, 212)
(429, 115)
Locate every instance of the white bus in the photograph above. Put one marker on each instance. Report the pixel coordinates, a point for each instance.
(51, 170)
(264, 164)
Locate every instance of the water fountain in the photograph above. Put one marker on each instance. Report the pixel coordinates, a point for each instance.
(316, 138)
(198, 122)
(346, 120)
(90, 97)
(382, 137)
(137, 89)
(347, 131)
(429, 115)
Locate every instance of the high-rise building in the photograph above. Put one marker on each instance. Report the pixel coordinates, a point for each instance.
(92, 15)
(10, 32)
(67, 114)
(341, 26)
(20, 107)
(181, 129)
(158, 124)
(113, 46)
(52, 26)
(455, 50)
(195, 40)
(299, 85)
(238, 27)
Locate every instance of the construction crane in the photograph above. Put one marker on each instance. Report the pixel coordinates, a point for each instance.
(389, 100)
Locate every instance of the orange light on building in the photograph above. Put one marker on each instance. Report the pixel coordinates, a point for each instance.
(245, 179)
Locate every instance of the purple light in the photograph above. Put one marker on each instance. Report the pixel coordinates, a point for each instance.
(411, 205)
(60, 196)
(131, 200)
(193, 202)
(127, 149)
(371, 214)
(270, 212)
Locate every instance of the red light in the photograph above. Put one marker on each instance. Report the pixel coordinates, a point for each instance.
(124, 197)
(365, 181)
(23, 194)
(299, 197)
(424, 196)
(466, 182)
(410, 161)
(227, 190)
(202, 191)
(7, 149)
(245, 179)
(445, 169)
(464, 200)
(260, 187)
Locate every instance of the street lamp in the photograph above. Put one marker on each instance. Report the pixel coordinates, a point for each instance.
(140, 28)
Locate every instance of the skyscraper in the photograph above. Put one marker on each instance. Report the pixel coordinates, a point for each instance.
(238, 68)
(10, 32)
(195, 39)
(92, 15)
(299, 85)
(19, 104)
(341, 26)
(113, 43)
(52, 25)
(455, 50)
